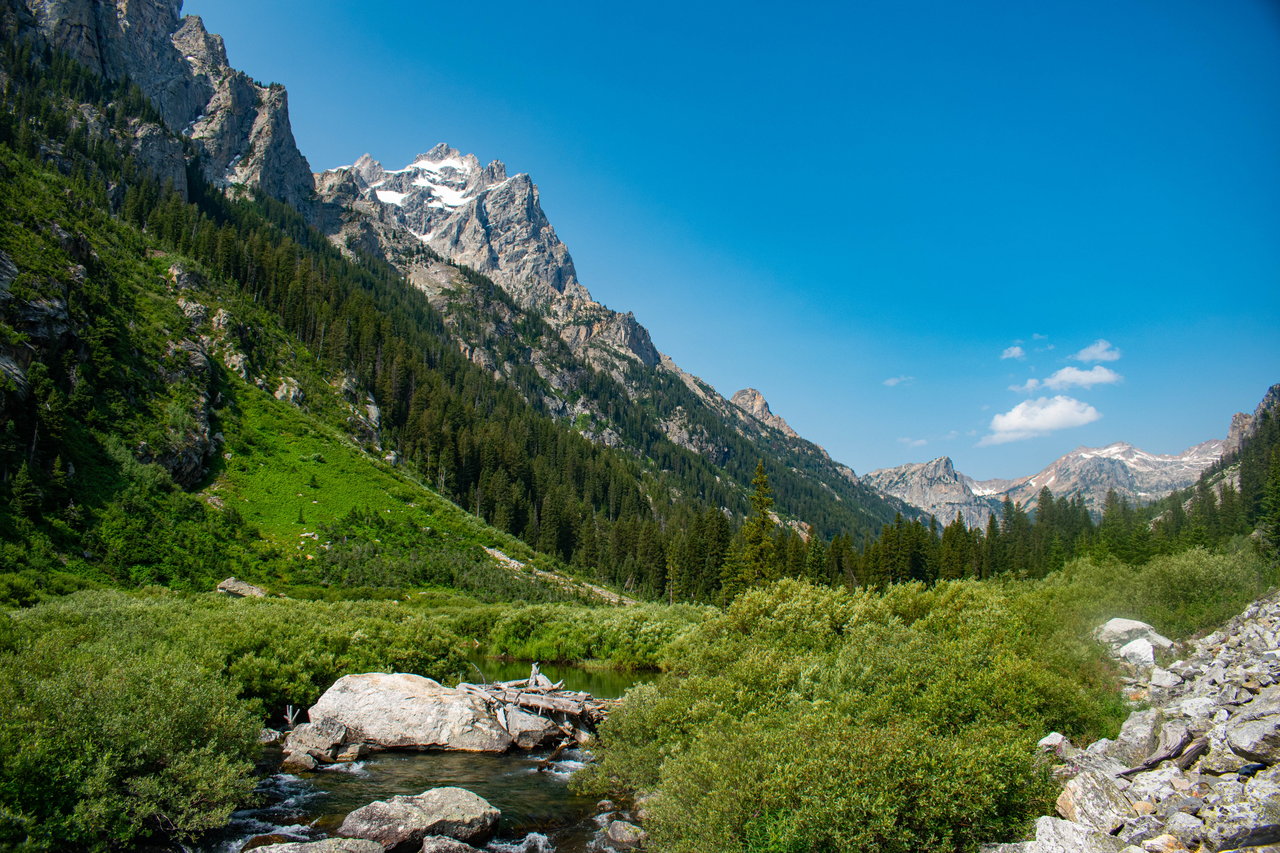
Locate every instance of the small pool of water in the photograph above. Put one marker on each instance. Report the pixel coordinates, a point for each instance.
(539, 813)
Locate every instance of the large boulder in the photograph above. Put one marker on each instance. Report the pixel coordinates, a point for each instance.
(325, 845)
(1118, 632)
(1061, 836)
(403, 711)
(403, 822)
(239, 589)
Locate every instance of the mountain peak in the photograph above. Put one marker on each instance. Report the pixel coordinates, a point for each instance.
(753, 403)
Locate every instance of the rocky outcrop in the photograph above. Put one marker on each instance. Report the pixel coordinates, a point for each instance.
(1200, 768)
(239, 127)
(753, 403)
(233, 588)
(1243, 426)
(402, 821)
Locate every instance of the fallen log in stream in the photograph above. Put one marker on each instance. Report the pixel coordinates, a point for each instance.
(576, 714)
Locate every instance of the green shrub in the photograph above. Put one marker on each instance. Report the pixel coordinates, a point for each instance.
(109, 741)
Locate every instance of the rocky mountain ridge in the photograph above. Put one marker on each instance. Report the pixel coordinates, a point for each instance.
(238, 129)
(444, 214)
(1134, 474)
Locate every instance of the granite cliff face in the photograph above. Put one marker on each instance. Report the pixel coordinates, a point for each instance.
(1245, 425)
(239, 128)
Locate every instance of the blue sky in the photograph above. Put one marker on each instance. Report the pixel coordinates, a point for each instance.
(858, 208)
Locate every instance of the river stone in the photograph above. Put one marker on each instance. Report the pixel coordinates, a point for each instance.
(626, 834)
(322, 736)
(443, 844)
(1093, 799)
(403, 711)
(1258, 739)
(326, 845)
(402, 820)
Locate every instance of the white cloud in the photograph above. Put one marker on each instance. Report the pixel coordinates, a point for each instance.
(898, 380)
(1069, 377)
(1099, 350)
(1013, 352)
(913, 442)
(1039, 337)
(1041, 416)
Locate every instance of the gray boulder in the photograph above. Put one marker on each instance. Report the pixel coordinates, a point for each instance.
(402, 821)
(1093, 799)
(441, 844)
(1061, 836)
(1117, 632)
(325, 845)
(626, 834)
(239, 589)
(403, 711)
(1258, 740)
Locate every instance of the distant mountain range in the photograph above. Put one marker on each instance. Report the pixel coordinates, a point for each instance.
(936, 487)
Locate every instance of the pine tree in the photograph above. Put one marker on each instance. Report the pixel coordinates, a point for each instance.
(754, 560)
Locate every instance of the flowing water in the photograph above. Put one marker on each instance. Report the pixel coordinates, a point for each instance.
(539, 814)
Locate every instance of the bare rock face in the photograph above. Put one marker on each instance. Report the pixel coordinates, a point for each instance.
(241, 128)
(479, 216)
(402, 821)
(753, 403)
(402, 711)
(1244, 425)
(935, 487)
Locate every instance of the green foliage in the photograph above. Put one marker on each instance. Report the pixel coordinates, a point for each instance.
(110, 740)
(626, 637)
(809, 718)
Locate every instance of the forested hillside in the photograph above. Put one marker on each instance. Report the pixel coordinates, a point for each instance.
(148, 333)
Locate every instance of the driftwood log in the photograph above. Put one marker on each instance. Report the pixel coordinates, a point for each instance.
(576, 714)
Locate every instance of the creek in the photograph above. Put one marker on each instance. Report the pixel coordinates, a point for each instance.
(539, 813)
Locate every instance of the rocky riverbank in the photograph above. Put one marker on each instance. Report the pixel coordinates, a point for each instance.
(1195, 769)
